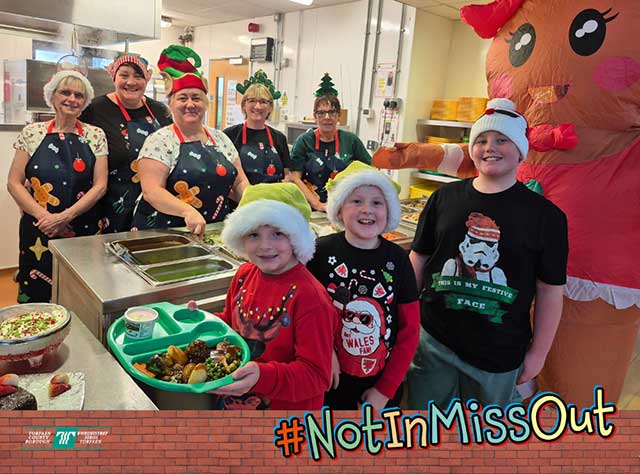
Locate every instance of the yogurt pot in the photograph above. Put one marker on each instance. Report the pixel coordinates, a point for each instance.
(139, 322)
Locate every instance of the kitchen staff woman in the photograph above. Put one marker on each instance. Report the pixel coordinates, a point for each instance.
(127, 118)
(187, 171)
(65, 164)
(319, 154)
(263, 150)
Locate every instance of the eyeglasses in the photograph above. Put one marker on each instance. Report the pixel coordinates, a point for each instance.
(329, 113)
(363, 317)
(259, 101)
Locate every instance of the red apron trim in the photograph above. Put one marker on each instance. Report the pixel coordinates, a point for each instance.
(181, 136)
(124, 112)
(336, 138)
(78, 127)
(244, 135)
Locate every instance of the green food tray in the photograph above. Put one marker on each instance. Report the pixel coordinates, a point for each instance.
(178, 326)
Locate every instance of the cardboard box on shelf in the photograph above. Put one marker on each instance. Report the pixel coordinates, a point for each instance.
(443, 109)
(422, 189)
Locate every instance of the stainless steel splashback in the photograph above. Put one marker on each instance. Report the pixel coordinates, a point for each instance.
(24, 80)
(97, 22)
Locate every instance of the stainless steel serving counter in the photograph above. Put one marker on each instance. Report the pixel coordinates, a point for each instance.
(107, 385)
(99, 287)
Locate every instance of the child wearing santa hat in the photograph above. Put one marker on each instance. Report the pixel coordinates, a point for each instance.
(373, 286)
(484, 248)
(283, 313)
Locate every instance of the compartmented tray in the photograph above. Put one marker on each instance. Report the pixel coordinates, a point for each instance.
(178, 326)
(171, 258)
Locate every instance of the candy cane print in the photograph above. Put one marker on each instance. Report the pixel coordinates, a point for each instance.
(363, 274)
(35, 274)
(352, 281)
(220, 201)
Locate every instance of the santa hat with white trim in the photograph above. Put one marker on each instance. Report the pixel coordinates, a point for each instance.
(280, 205)
(482, 227)
(50, 87)
(360, 174)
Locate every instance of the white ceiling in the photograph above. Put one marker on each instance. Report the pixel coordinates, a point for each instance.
(445, 8)
(209, 12)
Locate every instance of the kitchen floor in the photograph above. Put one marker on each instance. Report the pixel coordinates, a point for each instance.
(630, 399)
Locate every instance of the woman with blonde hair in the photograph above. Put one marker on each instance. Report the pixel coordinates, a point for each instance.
(64, 162)
(263, 149)
(187, 171)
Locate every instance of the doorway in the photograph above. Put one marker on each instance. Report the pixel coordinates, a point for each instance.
(224, 108)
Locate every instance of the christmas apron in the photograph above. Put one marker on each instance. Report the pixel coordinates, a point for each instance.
(124, 184)
(322, 166)
(202, 178)
(60, 172)
(261, 164)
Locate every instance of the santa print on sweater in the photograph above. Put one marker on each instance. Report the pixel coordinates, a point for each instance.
(367, 287)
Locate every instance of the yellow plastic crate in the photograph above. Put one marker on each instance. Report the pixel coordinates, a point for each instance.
(470, 108)
(422, 190)
(442, 109)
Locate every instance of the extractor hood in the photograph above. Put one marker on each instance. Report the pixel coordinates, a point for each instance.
(97, 22)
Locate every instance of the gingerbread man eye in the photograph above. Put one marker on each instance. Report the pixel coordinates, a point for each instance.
(521, 44)
(588, 31)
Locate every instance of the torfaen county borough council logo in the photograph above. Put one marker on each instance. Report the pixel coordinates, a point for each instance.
(65, 438)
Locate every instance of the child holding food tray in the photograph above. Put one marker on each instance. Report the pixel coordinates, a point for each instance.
(276, 305)
(371, 282)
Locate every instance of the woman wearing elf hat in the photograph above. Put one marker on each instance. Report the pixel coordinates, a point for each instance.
(263, 150)
(127, 118)
(65, 163)
(319, 154)
(187, 171)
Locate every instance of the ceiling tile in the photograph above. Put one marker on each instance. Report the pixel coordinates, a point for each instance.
(444, 11)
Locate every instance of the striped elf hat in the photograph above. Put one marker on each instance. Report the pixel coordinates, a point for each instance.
(178, 71)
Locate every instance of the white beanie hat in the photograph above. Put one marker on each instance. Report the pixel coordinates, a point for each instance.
(359, 174)
(51, 86)
(501, 116)
(280, 205)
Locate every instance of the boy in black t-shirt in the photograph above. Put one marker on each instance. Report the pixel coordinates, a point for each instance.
(371, 282)
(483, 249)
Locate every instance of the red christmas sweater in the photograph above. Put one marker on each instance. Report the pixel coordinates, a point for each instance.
(288, 321)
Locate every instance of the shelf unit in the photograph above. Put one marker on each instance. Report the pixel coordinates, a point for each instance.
(445, 123)
(434, 177)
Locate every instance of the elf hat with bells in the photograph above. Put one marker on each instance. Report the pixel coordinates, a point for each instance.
(178, 65)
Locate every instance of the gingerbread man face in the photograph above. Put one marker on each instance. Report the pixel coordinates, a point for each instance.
(188, 195)
(41, 193)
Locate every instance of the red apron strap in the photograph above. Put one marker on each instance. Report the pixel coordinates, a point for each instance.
(244, 134)
(181, 136)
(78, 127)
(178, 133)
(336, 138)
(270, 137)
(124, 112)
(209, 135)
